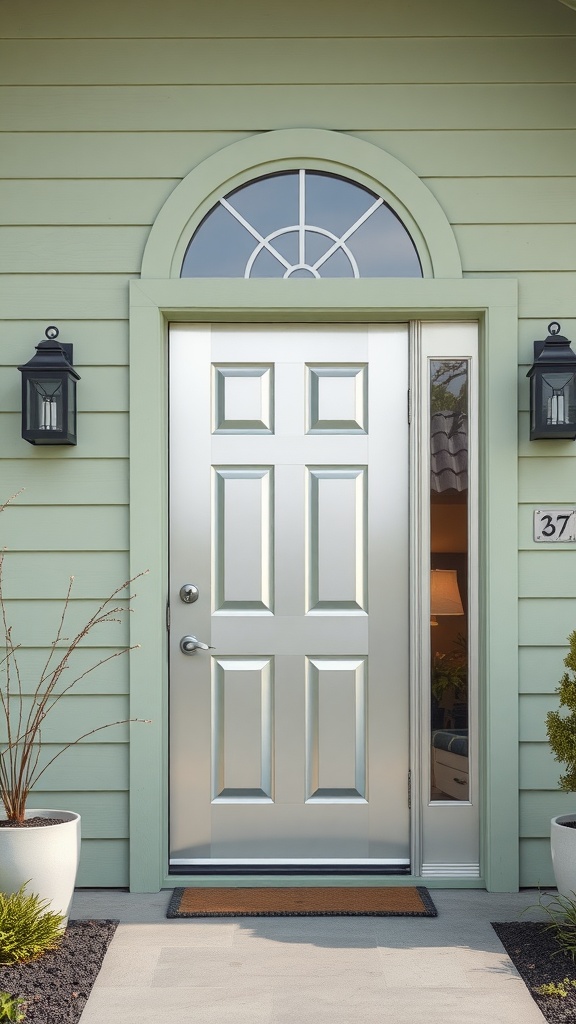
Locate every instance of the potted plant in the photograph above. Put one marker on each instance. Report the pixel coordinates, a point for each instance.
(561, 730)
(449, 684)
(40, 848)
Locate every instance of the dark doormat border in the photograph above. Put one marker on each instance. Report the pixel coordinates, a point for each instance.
(284, 901)
(57, 985)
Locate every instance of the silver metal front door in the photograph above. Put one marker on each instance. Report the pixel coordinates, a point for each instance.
(289, 515)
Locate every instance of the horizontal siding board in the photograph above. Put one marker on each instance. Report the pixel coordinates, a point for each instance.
(75, 481)
(516, 247)
(111, 677)
(95, 344)
(545, 479)
(103, 863)
(272, 61)
(168, 154)
(222, 107)
(75, 715)
(538, 769)
(81, 250)
(178, 18)
(87, 766)
(35, 623)
(544, 295)
(75, 296)
(100, 435)
(104, 815)
(533, 708)
(497, 200)
(548, 573)
(546, 621)
(100, 201)
(101, 389)
(89, 528)
(47, 573)
(536, 863)
(109, 155)
(536, 810)
(540, 668)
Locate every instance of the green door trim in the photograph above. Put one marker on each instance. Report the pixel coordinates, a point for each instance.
(153, 305)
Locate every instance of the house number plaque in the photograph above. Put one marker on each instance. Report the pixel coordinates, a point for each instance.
(555, 524)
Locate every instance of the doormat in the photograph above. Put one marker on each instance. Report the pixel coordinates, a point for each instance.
(320, 901)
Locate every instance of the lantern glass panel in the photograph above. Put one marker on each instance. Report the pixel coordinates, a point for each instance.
(71, 407)
(44, 404)
(558, 398)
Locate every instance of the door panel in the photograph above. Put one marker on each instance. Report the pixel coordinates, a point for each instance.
(289, 511)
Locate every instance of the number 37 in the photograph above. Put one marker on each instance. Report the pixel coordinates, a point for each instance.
(555, 525)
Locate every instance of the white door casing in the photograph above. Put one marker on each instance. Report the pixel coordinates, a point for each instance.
(289, 511)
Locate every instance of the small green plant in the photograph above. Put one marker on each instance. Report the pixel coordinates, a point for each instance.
(450, 671)
(562, 914)
(11, 1007)
(27, 928)
(561, 727)
(556, 988)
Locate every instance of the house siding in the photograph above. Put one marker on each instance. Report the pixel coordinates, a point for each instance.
(103, 109)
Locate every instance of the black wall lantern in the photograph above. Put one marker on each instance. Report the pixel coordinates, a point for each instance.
(553, 388)
(49, 393)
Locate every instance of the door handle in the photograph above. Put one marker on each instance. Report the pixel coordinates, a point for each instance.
(191, 644)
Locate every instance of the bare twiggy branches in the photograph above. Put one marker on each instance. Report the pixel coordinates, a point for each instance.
(25, 712)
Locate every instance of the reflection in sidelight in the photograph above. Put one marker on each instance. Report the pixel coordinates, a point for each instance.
(449, 579)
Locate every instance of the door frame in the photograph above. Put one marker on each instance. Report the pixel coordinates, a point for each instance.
(494, 304)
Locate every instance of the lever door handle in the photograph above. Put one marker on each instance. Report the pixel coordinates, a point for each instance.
(191, 644)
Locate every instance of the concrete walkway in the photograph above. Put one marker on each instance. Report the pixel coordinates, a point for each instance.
(333, 970)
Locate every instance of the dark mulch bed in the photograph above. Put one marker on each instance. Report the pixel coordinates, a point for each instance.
(539, 960)
(57, 985)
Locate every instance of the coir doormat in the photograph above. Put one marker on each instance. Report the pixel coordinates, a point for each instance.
(319, 901)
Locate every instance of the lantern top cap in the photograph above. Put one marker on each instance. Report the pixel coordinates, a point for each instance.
(51, 356)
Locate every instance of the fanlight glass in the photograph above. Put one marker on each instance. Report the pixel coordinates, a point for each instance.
(303, 224)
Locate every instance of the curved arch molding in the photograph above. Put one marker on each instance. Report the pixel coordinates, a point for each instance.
(318, 149)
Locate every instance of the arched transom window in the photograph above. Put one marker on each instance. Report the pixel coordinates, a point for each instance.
(301, 224)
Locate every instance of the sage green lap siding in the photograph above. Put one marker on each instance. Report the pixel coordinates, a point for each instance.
(103, 863)
(277, 61)
(535, 862)
(88, 528)
(163, 154)
(104, 815)
(228, 108)
(104, 436)
(300, 18)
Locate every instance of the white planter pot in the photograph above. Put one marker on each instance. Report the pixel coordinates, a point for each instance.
(563, 847)
(44, 857)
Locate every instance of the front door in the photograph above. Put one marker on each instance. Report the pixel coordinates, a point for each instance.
(289, 514)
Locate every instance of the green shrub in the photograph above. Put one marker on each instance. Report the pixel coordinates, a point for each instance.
(11, 1007)
(27, 929)
(561, 728)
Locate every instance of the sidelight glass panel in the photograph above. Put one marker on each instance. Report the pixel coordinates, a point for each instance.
(449, 544)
